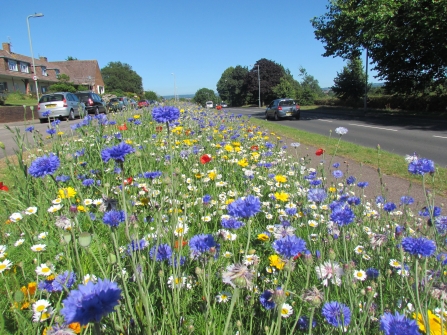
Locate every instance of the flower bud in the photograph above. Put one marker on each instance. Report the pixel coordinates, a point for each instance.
(85, 239)
(332, 255)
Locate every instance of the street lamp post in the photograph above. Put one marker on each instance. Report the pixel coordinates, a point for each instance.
(31, 47)
(259, 86)
(175, 88)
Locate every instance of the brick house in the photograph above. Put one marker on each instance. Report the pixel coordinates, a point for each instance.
(16, 72)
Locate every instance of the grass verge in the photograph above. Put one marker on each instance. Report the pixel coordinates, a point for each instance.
(390, 164)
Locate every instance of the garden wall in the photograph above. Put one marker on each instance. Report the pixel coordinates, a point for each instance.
(17, 113)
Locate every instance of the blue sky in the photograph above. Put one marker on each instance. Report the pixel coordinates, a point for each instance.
(194, 39)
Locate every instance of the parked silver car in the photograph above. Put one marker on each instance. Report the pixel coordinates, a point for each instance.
(282, 108)
(61, 105)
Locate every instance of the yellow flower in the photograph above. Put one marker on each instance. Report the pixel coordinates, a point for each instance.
(277, 262)
(128, 141)
(81, 208)
(236, 144)
(66, 193)
(229, 148)
(263, 237)
(281, 179)
(218, 146)
(434, 322)
(136, 116)
(182, 110)
(187, 142)
(243, 162)
(75, 326)
(332, 189)
(198, 175)
(282, 196)
(60, 133)
(229, 201)
(212, 175)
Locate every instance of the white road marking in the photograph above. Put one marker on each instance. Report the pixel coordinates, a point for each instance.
(440, 136)
(324, 120)
(360, 125)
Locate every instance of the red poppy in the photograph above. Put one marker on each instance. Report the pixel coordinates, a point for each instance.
(319, 152)
(205, 159)
(159, 128)
(3, 187)
(188, 132)
(297, 256)
(128, 181)
(254, 148)
(122, 127)
(219, 107)
(177, 244)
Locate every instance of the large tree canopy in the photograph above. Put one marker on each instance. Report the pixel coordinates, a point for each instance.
(232, 85)
(270, 76)
(120, 76)
(405, 39)
(203, 95)
(350, 83)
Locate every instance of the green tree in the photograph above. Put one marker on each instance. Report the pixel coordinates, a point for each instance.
(120, 76)
(231, 86)
(150, 95)
(270, 76)
(63, 84)
(405, 39)
(203, 95)
(285, 88)
(309, 89)
(71, 58)
(350, 83)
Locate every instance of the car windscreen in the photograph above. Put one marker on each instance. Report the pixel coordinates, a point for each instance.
(52, 97)
(287, 103)
(83, 97)
(114, 100)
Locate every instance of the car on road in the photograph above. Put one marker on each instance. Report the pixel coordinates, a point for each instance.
(282, 108)
(143, 103)
(61, 105)
(133, 104)
(93, 102)
(125, 102)
(115, 105)
(209, 104)
(224, 104)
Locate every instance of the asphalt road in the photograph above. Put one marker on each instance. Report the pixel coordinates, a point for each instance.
(398, 135)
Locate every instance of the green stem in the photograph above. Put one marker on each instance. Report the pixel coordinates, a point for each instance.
(230, 312)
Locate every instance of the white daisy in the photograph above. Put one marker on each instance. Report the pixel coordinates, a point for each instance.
(15, 217)
(181, 229)
(3, 248)
(359, 275)
(223, 297)
(54, 208)
(394, 263)
(44, 270)
(250, 259)
(358, 249)
(42, 236)
(56, 201)
(41, 317)
(31, 210)
(98, 202)
(5, 265)
(38, 247)
(89, 277)
(312, 223)
(286, 310)
(227, 254)
(19, 242)
(88, 202)
(41, 306)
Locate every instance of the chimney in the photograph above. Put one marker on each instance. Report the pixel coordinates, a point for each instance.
(6, 47)
(42, 58)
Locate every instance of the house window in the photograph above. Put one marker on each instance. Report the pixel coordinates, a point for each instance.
(44, 71)
(57, 72)
(3, 87)
(12, 65)
(24, 67)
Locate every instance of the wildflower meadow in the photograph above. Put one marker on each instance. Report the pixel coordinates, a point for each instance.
(182, 220)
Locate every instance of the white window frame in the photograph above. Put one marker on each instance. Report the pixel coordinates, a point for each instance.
(24, 67)
(12, 65)
(44, 71)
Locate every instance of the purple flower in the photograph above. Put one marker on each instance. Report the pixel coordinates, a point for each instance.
(421, 166)
(91, 302)
(161, 252)
(45, 165)
(29, 129)
(113, 218)
(336, 314)
(362, 184)
(442, 257)
(406, 200)
(136, 245)
(165, 114)
(353, 201)
(398, 325)
(303, 323)
(427, 211)
(389, 207)
(117, 153)
(244, 208)
(441, 225)
(316, 195)
(152, 175)
(350, 180)
(46, 113)
(51, 131)
(337, 174)
(206, 199)
(419, 246)
(266, 299)
(372, 273)
(88, 182)
(342, 215)
(201, 243)
(64, 280)
(231, 223)
(289, 246)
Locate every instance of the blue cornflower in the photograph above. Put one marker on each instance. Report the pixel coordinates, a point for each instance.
(341, 131)
(442, 257)
(152, 175)
(29, 129)
(291, 211)
(398, 325)
(337, 174)
(353, 201)
(336, 314)
(165, 114)
(316, 195)
(161, 252)
(389, 207)
(342, 215)
(64, 280)
(441, 225)
(336, 165)
(289, 246)
(231, 223)
(350, 180)
(372, 273)
(315, 182)
(88, 182)
(380, 199)
(421, 166)
(206, 199)
(266, 299)
(406, 200)
(362, 184)
(91, 302)
(136, 245)
(426, 211)
(46, 113)
(117, 153)
(244, 208)
(51, 131)
(114, 218)
(419, 246)
(63, 178)
(45, 165)
(303, 323)
(201, 243)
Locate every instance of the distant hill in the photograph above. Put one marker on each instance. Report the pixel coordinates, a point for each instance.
(186, 96)
(372, 85)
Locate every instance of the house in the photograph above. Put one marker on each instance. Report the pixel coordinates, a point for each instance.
(16, 73)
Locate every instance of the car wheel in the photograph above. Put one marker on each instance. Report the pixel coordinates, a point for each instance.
(97, 111)
(276, 116)
(266, 116)
(297, 117)
(71, 115)
(43, 120)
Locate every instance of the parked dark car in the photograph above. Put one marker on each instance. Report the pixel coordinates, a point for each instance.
(124, 102)
(282, 108)
(133, 104)
(93, 102)
(115, 105)
(143, 103)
